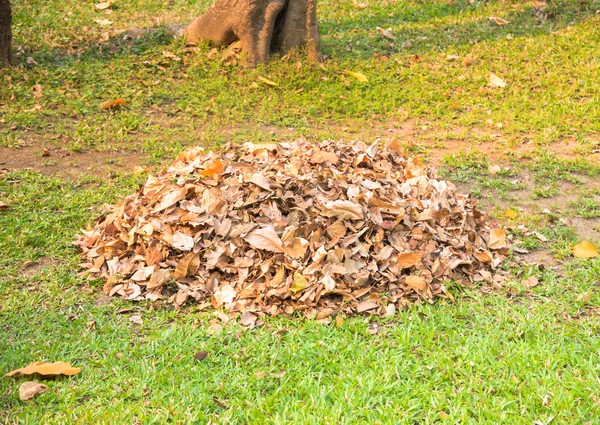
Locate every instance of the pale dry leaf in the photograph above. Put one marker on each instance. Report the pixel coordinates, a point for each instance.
(344, 210)
(386, 33)
(498, 21)
(248, 318)
(30, 390)
(495, 81)
(531, 282)
(182, 241)
(224, 295)
(265, 239)
(104, 5)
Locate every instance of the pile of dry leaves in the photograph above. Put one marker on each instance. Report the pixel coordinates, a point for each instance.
(278, 228)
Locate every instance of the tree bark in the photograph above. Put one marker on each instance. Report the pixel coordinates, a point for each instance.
(5, 33)
(261, 26)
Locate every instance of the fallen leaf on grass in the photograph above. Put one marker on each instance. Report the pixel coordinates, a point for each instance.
(585, 250)
(113, 104)
(45, 152)
(386, 33)
(359, 76)
(104, 5)
(359, 5)
(267, 81)
(498, 21)
(137, 319)
(200, 355)
(103, 22)
(3, 206)
(496, 81)
(511, 214)
(47, 369)
(29, 390)
(532, 282)
(494, 169)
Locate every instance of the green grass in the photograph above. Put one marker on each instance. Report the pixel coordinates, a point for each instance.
(512, 355)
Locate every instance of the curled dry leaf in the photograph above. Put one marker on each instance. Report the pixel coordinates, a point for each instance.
(29, 390)
(585, 250)
(278, 228)
(47, 369)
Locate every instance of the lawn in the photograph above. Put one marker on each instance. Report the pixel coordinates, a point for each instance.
(513, 354)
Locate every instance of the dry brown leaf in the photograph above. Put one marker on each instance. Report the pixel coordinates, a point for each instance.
(248, 318)
(366, 306)
(407, 260)
(47, 369)
(497, 239)
(417, 283)
(188, 265)
(344, 210)
(30, 390)
(266, 239)
(585, 250)
(386, 33)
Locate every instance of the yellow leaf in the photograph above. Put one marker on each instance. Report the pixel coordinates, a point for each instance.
(43, 368)
(300, 282)
(585, 250)
(359, 76)
(511, 214)
(267, 81)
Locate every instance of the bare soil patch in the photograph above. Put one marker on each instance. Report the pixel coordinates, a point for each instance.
(54, 161)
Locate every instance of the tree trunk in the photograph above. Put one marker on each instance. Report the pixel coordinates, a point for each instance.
(5, 32)
(261, 26)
